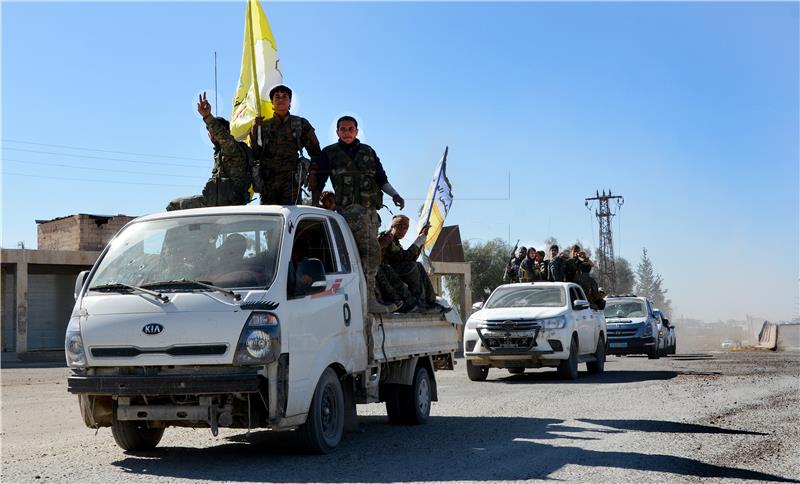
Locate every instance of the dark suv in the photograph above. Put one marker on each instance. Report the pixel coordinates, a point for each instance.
(632, 326)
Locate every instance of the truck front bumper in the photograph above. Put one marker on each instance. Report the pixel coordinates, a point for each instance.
(244, 381)
(630, 346)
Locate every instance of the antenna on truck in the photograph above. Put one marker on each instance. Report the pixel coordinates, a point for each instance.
(216, 104)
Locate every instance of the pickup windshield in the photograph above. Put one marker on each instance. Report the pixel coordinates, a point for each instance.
(624, 309)
(527, 297)
(219, 251)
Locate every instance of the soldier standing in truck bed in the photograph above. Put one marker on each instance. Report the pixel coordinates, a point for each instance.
(230, 177)
(279, 172)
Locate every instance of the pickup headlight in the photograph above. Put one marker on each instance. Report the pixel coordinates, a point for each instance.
(554, 323)
(472, 323)
(260, 340)
(73, 347)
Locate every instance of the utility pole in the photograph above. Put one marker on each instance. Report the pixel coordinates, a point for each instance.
(608, 275)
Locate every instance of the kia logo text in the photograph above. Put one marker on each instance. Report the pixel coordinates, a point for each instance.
(154, 328)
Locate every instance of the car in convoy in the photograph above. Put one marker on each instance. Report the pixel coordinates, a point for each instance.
(632, 326)
(662, 332)
(533, 325)
(250, 317)
(670, 337)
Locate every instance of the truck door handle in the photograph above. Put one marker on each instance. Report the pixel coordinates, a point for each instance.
(346, 313)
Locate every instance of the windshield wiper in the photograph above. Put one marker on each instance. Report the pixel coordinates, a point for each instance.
(117, 286)
(190, 282)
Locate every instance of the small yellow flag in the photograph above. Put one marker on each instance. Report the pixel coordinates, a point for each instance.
(259, 73)
(437, 203)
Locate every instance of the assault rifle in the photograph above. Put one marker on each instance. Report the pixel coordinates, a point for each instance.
(508, 265)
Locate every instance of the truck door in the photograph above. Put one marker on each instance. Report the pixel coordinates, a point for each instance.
(319, 333)
(584, 322)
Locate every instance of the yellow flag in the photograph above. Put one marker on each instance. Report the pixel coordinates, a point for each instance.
(260, 72)
(437, 203)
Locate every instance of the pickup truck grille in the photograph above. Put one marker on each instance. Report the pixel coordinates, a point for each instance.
(509, 335)
(507, 325)
(494, 343)
(621, 332)
(132, 351)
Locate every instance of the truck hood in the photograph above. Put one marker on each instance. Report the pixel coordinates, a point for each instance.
(623, 322)
(193, 328)
(495, 314)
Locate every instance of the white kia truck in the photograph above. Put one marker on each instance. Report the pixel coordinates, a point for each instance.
(534, 325)
(244, 317)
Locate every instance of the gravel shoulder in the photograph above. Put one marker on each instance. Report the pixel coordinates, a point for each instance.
(727, 416)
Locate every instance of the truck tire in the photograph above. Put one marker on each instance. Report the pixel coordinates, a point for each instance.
(324, 425)
(568, 369)
(390, 394)
(134, 435)
(599, 364)
(654, 352)
(414, 401)
(476, 372)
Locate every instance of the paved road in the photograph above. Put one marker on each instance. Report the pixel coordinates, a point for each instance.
(722, 417)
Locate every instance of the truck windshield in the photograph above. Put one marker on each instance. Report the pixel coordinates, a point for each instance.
(225, 251)
(624, 309)
(527, 297)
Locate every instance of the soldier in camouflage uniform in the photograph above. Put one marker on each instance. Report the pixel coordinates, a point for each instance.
(358, 181)
(230, 177)
(404, 262)
(280, 173)
(390, 286)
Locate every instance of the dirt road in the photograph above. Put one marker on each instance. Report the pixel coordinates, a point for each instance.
(719, 417)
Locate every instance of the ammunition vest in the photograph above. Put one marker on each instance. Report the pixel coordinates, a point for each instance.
(353, 180)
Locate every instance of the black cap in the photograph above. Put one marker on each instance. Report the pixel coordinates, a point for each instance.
(280, 88)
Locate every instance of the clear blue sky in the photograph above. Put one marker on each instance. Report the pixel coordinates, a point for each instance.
(689, 110)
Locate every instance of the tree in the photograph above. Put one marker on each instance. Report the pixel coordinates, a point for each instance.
(648, 284)
(488, 261)
(624, 274)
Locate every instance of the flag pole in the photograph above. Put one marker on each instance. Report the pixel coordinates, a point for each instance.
(216, 89)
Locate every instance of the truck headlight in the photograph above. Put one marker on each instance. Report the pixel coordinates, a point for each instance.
(471, 323)
(554, 323)
(73, 348)
(260, 340)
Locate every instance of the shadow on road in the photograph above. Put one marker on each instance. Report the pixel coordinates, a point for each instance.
(447, 449)
(665, 426)
(609, 376)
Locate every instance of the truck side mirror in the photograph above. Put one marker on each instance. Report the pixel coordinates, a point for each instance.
(79, 283)
(580, 304)
(477, 306)
(309, 277)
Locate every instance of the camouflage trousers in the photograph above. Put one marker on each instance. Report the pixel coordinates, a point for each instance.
(391, 288)
(414, 275)
(280, 188)
(364, 224)
(218, 192)
(183, 203)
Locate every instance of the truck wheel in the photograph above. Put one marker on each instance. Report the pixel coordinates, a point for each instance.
(390, 394)
(653, 354)
(599, 364)
(415, 401)
(568, 369)
(134, 435)
(477, 373)
(324, 425)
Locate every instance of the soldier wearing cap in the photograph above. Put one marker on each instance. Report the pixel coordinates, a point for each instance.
(280, 172)
(359, 182)
(230, 177)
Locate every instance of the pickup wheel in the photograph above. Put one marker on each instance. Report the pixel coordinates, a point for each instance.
(476, 372)
(134, 435)
(324, 425)
(599, 364)
(654, 352)
(413, 402)
(568, 369)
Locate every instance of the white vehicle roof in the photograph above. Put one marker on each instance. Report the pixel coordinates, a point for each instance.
(287, 211)
(538, 283)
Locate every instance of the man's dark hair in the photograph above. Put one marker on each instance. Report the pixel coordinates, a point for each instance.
(346, 118)
(541, 253)
(280, 88)
(554, 246)
(522, 247)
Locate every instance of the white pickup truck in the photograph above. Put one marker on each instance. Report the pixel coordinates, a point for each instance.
(244, 317)
(531, 325)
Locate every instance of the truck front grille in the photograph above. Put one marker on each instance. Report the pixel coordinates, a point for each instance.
(621, 332)
(132, 351)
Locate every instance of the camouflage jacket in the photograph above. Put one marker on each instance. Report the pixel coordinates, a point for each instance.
(282, 142)
(356, 174)
(230, 156)
(396, 254)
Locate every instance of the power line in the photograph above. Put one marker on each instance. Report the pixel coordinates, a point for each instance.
(608, 277)
(96, 181)
(101, 151)
(101, 169)
(159, 163)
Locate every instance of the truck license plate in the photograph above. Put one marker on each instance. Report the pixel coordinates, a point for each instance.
(618, 345)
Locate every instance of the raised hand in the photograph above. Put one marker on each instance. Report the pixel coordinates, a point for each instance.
(203, 106)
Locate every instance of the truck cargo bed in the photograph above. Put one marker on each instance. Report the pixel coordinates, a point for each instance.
(398, 336)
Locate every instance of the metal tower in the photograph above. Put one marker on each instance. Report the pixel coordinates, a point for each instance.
(608, 275)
